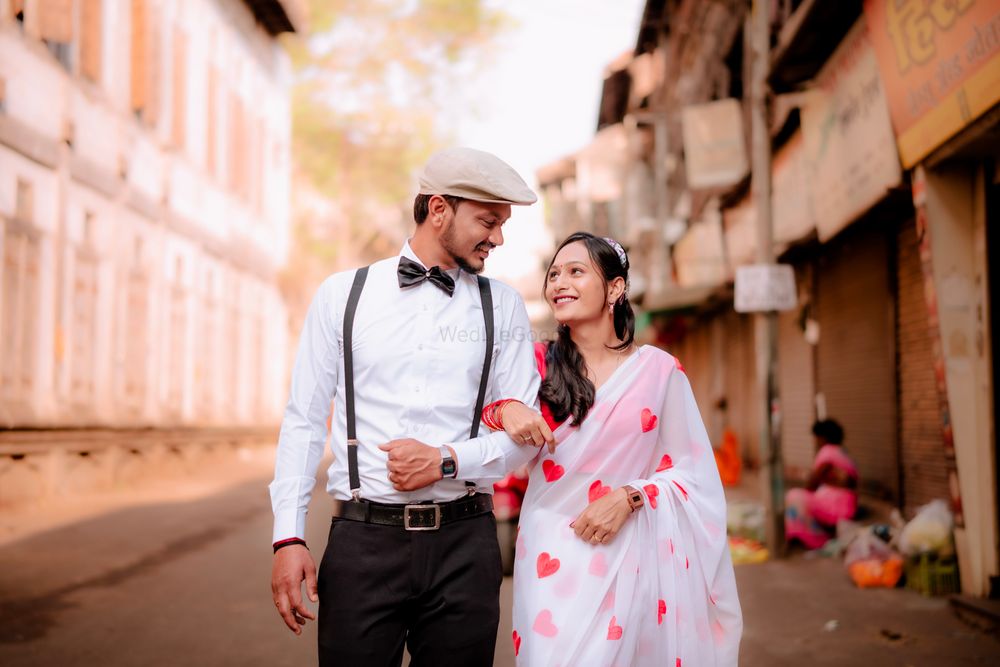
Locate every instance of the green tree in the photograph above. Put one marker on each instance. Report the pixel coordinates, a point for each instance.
(378, 84)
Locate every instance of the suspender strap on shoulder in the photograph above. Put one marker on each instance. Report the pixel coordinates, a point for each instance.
(486, 296)
(352, 435)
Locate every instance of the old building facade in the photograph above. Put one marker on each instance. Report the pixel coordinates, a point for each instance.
(883, 124)
(144, 203)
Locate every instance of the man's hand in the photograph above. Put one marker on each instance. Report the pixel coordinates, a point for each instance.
(293, 565)
(412, 464)
(603, 518)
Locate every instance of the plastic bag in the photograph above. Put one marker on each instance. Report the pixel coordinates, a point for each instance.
(871, 562)
(866, 546)
(876, 573)
(929, 531)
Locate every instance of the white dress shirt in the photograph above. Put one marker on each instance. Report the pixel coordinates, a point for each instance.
(418, 357)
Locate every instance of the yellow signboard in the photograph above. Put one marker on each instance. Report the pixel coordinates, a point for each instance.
(940, 64)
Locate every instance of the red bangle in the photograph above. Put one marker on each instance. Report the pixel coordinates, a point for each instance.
(289, 542)
(492, 413)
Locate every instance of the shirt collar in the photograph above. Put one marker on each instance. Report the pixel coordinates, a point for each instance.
(407, 252)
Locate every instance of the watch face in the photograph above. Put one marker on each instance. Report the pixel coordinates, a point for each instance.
(448, 467)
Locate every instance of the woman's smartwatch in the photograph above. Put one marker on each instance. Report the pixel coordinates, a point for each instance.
(448, 467)
(635, 500)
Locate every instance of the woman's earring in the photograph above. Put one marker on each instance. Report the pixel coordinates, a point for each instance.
(611, 307)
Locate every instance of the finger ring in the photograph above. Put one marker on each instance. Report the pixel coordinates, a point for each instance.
(525, 438)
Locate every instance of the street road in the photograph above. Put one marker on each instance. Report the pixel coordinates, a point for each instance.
(186, 582)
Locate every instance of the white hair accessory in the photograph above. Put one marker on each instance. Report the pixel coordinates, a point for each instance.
(617, 248)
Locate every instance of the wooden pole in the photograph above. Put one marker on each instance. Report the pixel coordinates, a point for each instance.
(765, 324)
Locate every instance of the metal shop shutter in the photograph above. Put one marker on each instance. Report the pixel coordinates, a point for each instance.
(856, 371)
(925, 467)
(797, 389)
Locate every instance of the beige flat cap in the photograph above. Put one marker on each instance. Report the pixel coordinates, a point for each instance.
(475, 175)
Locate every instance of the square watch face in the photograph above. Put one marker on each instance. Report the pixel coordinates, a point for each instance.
(448, 467)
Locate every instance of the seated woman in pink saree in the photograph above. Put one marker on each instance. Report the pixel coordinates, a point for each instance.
(812, 513)
(622, 557)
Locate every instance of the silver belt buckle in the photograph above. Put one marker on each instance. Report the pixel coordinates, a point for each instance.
(407, 517)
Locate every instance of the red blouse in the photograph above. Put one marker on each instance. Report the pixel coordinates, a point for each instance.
(540, 350)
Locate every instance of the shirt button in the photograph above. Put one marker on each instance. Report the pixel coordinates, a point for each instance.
(420, 347)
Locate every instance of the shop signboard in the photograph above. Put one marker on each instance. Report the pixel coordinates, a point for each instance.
(940, 64)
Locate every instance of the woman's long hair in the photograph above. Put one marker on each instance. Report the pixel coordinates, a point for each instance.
(566, 388)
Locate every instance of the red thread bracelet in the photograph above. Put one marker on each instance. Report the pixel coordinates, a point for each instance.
(289, 542)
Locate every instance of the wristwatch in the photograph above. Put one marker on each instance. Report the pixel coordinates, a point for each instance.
(448, 467)
(635, 500)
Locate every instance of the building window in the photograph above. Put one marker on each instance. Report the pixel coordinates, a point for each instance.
(91, 22)
(55, 26)
(83, 327)
(177, 347)
(136, 338)
(24, 204)
(179, 86)
(138, 56)
(211, 127)
(210, 352)
(237, 145)
(19, 280)
(144, 56)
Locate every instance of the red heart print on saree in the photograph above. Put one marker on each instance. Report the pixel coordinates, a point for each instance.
(652, 490)
(552, 470)
(546, 565)
(648, 420)
(516, 638)
(665, 463)
(661, 611)
(598, 566)
(544, 625)
(614, 630)
(597, 490)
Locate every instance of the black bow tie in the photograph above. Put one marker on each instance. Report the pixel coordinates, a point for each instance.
(412, 273)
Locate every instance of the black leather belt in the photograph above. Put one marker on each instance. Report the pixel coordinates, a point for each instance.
(416, 516)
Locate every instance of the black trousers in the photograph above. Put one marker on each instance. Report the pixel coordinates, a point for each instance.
(437, 591)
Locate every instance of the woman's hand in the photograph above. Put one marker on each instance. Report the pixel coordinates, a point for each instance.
(603, 518)
(526, 426)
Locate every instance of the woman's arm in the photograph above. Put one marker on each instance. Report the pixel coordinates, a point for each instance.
(524, 425)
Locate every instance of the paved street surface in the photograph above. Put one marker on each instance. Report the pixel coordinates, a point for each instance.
(186, 582)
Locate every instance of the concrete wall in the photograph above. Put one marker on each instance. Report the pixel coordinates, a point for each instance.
(956, 221)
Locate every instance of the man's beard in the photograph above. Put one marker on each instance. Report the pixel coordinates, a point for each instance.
(450, 246)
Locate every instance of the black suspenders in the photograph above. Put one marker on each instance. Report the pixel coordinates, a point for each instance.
(352, 435)
(486, 297)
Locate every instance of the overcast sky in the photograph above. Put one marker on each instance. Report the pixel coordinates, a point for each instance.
(537, 101)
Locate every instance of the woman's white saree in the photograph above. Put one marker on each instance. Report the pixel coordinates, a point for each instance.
(662, 592)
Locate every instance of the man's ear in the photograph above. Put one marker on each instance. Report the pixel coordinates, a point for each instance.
(437, 209)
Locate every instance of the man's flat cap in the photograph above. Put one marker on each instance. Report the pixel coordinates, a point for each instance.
(476, 175)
